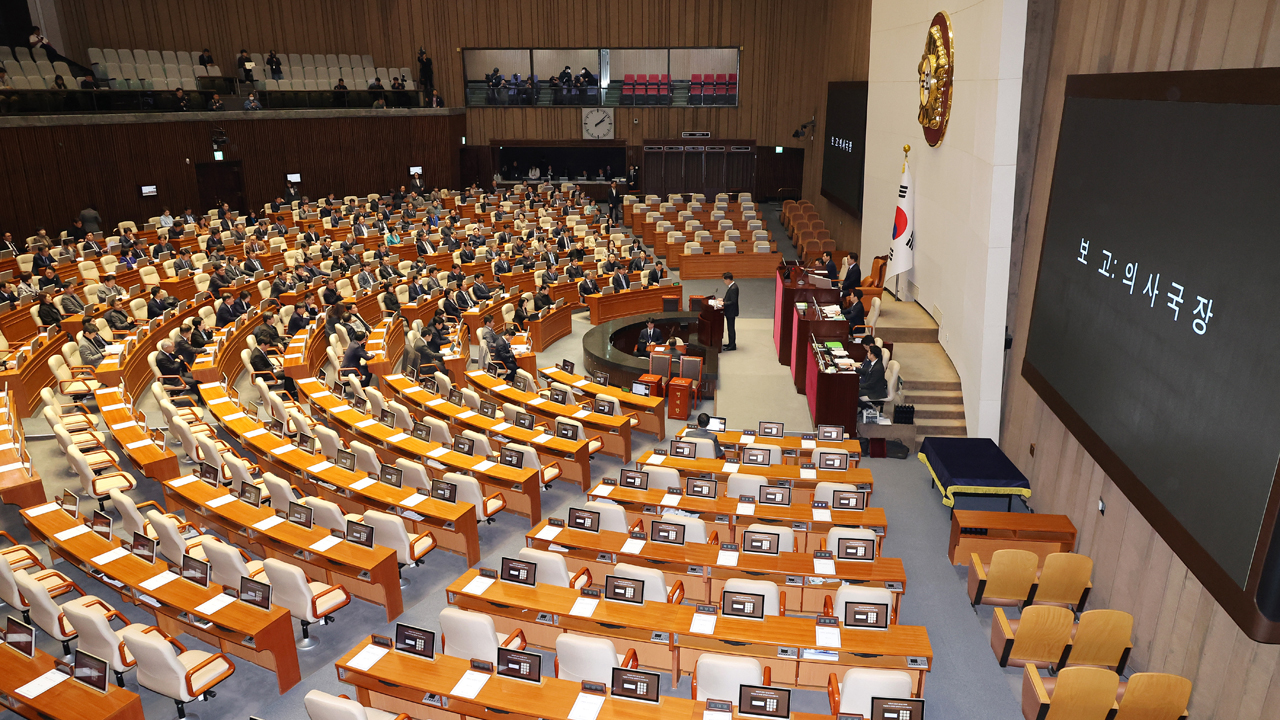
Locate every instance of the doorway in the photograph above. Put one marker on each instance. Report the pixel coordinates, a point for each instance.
(220, 182)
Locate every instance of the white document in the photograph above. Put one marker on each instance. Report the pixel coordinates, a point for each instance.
(581, 414)
(727, 558)
(14, 466)
(434, 402)
(655, 459)
(117, 406)
(584, 606)
(548, 533)
(703, 624)
(537, 401)
(466, 414)
(139, 443)
(320, 466)
(632, 546)
(362, 484)
(160, 580)
(821, 515)
(398, 437)
(670, 500)
(478, 585)
(121, 426)
(827, 636)
(72, 532)
(284, 449)
(413, 499)
(483, 465)
(50, 507)
(438, 452)
(179, 482)
(234, 416)
(339, 408)
(500, 388)
(394, 377)
(582, 383)
(218, 401)
(808, 444)
(255, 432)
(43, 683)
(603, 490)
(214, 604)
(745, 509)
(586, 707)
(368, 657)
(322, 393)
(470, 684)
(220, 501)
(325, 543)
(808, 474)
(824, 566)
(366, 423)
(729, 467)
(109, 556)
(500, 426)
(716, 715)
(543, 439)
(268, 522)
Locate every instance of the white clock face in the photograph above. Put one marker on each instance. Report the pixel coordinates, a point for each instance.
(597, 123)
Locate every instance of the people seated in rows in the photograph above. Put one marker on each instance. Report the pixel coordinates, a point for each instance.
(702, 432)
(92, 345)
(174, 370)
(356, 360)
(48, 314)
(116, 318)
(160, 303)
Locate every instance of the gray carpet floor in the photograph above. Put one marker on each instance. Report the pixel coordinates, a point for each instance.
(966, 683)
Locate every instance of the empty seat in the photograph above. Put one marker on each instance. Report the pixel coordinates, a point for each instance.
(308, 601)
(465, 634)
(1006, 582)
(718, 677)
(854, 692)
(184, 675)
(1038, 637)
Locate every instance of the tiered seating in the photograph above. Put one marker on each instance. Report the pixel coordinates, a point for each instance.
(31, 69)
(149, 69)
(713, 89)
(307, 71)
(651, 89)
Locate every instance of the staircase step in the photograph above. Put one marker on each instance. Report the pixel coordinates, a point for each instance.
(949, 428)
(939, 412)
(892, 334)
(933, 397)
(909, 385)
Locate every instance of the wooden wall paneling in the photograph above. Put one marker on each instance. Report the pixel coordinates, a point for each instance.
(694, 171)
(651, 174)
(717, 179)
(673, 180)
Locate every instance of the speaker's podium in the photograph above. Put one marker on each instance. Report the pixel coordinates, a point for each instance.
(710, 321)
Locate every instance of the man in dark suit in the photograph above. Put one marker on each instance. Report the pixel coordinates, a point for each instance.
(170, 364)
(615, 202)
(828, 265)
(218, 279)
(116, 318)
(183, 346)
(730, 306)
(550, 275)
(388, 271)
(351, 360)
(310, 237)
(588, 285)
(479, 289)
(424, 246)
(158, 304)
(872, 384)
(650, 335)
(503, 265)
(620, 280)
(226, 314)
(655, 273)
(266, 333)
(433, 280)
(299, 320)
(638, 261)
(41, 261)
(331, 296)
(367, 277)
(856, 313)
(251, 264)
(852, 276)
(282, 284)
(542, 299)
(90, 244)
(574, 271)
(184, 261)
(416, 288)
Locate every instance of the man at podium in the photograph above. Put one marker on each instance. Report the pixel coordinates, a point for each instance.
(650, 335)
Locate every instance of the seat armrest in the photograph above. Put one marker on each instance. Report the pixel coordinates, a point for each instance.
(676, 596)
(151, 503)
(782, 603)
(767, 679)
(426, 534)
(9, 537)
(828, 609)
(1002, 636)
(171, 640)
(630, 660)
(1035, 699)
(977, 581)
(714, 539)
(833, 693)
(584, 572)
(517, 635)
(637, 526)
(331, 589)
(196, 692)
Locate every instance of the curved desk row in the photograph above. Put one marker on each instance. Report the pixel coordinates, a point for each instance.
(794, 476)
(736, 441)
(636, 301)
(64, 701)
(20, 484)
(556, 323)
(651, 411)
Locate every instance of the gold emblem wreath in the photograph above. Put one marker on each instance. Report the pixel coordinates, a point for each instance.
(935, 80)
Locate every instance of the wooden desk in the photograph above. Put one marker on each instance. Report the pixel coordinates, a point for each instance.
(984, 532)
(696, 566)
(722, 515)
(453, 524)
(736, 441)
(555, 325)
(263, 637)
(798, 477)
(649, 410)
(26, 381)
(571, 455)
(798, 287)
(473, 319)
(830, 395)
(20, 484)
(743, 265)
(808, 324)
(145, 448)
(399, 683)
(371, 574)
(68, 700)
(636, 301)
(615, 431)
(515, 606)
(520, 486)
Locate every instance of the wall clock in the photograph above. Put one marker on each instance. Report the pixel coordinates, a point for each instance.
(597, 123)
(937, 70)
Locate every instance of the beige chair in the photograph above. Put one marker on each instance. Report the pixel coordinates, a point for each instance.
(579, 658)
(718, 677)
(184, 675)
(389, 531)
(469, 491)
(227, 564)
(465, 634)
(546, 473)
(552, 569)
(612, 517)
(96, 637)
(695, 529)
(310, 602)
(775, 599)
(852, 695)
(323, 706)
(54, 582)
(655, 584)
(172, 545)
(131, 516)
(46, 614)
(1101, 639)
(786, 536)
(98, 486)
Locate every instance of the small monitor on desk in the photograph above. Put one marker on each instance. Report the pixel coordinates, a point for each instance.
(299, 514)
(415, 641)
(762, 701)
(519, 571)
(387, 417)
(833, 461)
(700, 487)
(360, 533)
(195, 570)
(511, 458)
(717, 424)
(491, 369)
(209, 473)
(520, 384)
(488, 409)
(604, 407)
(455, 397)
(520, 665)
(390, 475)
(346, 460)
(360, 404)
(639, 388)
(770, 429)
(584, 519)
(429, 384)
(255, 593)
(683, 449)
(567, 366)
(874, 616)
(143, 547)
(464, 445)
(251, 494)
(764, 543)
(831, 433)
(444, 491)
(307, 442)
(897, 708)
(774, 495)
(559, 397)
(601, 378)
(666, 532)
(421, 431)
(856, 549)
(624, 589)
(90, 671)
(20, 637)
(743, 605)
(635, 685)
(755, 456)
(70, 502)
(101, 524)
(524, 420)
(635, 479)
(566, 431)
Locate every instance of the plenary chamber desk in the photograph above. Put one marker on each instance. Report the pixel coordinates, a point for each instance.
(635, 301)
(610, 348)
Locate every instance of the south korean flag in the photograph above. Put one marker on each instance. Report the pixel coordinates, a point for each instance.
(902, 249)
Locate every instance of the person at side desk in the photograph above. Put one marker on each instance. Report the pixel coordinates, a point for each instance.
(574, 271)
(873, 385)
(650, 335)
(8, 293)
(620, 280)
(41, 260)
(828, 265)
(183, 346)
(299, 320)
(159, 303)
(50, 279)
(542, 299)
(856, 314)
(730, 307)
(173, 368)
(428, 346)
(852, 277)
(655, 273)
(389, 299)
(199, 335)
(702, 432)
(217, 279)
(92, 346)
(356, 359)
(588, 285)
(550, 275)
(521, 318)
(26, 285)
(48, 314)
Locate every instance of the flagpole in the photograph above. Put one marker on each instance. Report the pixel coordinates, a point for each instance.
(906, 150)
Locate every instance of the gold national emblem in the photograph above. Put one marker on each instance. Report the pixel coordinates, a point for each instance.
(936, 72)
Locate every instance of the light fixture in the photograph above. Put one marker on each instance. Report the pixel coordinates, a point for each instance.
(217, 154)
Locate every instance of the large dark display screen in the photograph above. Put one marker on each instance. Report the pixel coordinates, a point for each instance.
(1157, 310)
(844, 147)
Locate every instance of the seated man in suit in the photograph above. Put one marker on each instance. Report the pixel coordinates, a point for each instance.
(611, 263)
(218, 279)
(89, 245)
(588, 285)
(424, 244)
(466, 254)
(387, 271)
(702, 432)
(159, 303)
(116, 318)
(41, 260)
(856, 313)
(172, 367)
(284, 283)
(574, 271)
(455, 274)
(874, 386)
(367, 277)
(92, 345)
(655, 273)
(251, 264)
(433, 281)
(479, 290)
(183, 346)
(550, 275)
(50, 281)
(355, 360)
(183, 262)
(620, 280)
(331, 296)
(638, 261)
(267, 335)
(852, 277)
(241, 305)
(502, 265)
(542, 299)
(226, 313)
(299, 320)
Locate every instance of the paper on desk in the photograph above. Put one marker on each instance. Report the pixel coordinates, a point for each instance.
(284, 449)
(179, 482)
(670, 500)
(716, 715)
(808, 444)
(220, 400)
(234, 416)
(394, 377)
(470, 684)
(110, 555)
(362, 484)
(117, 406)
(206, 386)
(214, 604)
(139, 443)
(322, 393)
(727, 558)
(821, 515)
(325, 543)
(500, 388)
(438, 452)
(478, 585)
(603, 490)
(320, 466)
(220, 501)
(340, 408)
(268, 522)
(824, 566)
(368, 657)
(543, 439)
(483, 465)
(398, 437)
(729, 467)
(582, 383)
(586, 707)
(548, 533)
(582, 413)
(72, 532)
(466, 414)
(537, 401)
(42, 683)
(255, 433)
(160, 580)
(632, 546)
(500, 426)
(366, 423)
(808, 474)
(42, 509)
(655, 459)
(14, 466)
(413, 499)
(703, 624)
(745, 509)
(121, 426)
(584, 606)
(435, 402)
(827, 636)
